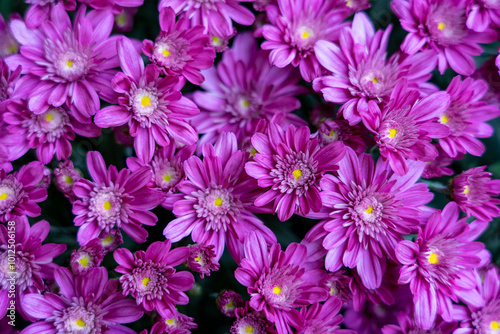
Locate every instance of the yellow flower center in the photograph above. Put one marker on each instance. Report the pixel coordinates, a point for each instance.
(107, 205)
(276, 290)
(296, 174)
(466, 190)
(230, 304)
(441, 25)
(145, 101)
(215, 39)
(218, 201)
(121, 19)
(49, 117)
(145, 281)
(494, 325)
(331, 133)
(84, 261)
(12, 267)
(69, 63)
(433, 258)
(12, 49)
(169, 322)
(166, 53)
(393, 133)
(108, 240)
(375, 80)
(198, 258)
(444, 119)
(3, 196)
(369, 209)
(245, 103)
(304, 35)
(348, 3)
(249, 329)
(68, 179)
(166, 177)
(80, 322)
(253, 151)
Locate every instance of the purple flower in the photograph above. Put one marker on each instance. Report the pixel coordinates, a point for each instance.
(110, 241)
(438, 265)
(243, 89)
(49, 132)
(466, 117)
(319, 318)
(406, 125)
(296, 28)
(153, 107)
(215, 15)
(86, 304)
(228, 301)
(8, 45)
(439, 166)
(180, 49)
(277, 281)
(151, 279)
(86, 257)
(218, 200)
(370, 208)
(202, 259)
(353, 136)
(167, 170)
(64, 64)
(124, 21)
(481, 14)
(361, 71)
(289, 166)
(484, 319)
(440, 25)
(18, 192)
(65, 177)
(45, 181)
(32, 264)
(249, 320)
(174, 323)
(472, 191)
(407, 325)
(43, 10)
(8, 80)
(114, 200)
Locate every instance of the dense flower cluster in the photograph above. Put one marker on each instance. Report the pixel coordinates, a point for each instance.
(276, 167)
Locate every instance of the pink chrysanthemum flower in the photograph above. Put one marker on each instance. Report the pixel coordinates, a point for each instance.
(277, 281)
(86, 304)
(49, 132)
(167, 170)
(202, 259)
(114, 200)
(8, 45)
(361, 72)
(440, 25)
(406, 325)
(8, 80)
(242, 90)
(218, 200)
(337, 284)
(32, 264)
(67, 64)
(466, 117)
(124, 21)
(482, 14)
(319, 318)
(484, 319)
(438, 265)
(153, 107)
(215, 15)
(228, 301)
(174, 323)
(289, 165)
(296, 28)
(45, 181)
(41, 10)
(110, 240)
(65, 177)
(439, 166)
(248, 319)
(86, 257)
(370, 208)
(149, 276)
(353, 136)
(18, 192)
(180, 49)
(488, 72)
(473, 190)
(405, 126)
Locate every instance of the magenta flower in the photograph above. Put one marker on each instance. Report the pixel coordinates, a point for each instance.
(153, 107)
(167, 170)
(370, 208)
(175, 323)
(482, 14)
(202, 259)
(406, 125)
(289, 166)
(438, 265)
(151, 279)
(228, 301)
(64, 64)
(296, 28)
(407, 325)
(86, 257)
(466, 117)
(242, 90)
(8, 45)
(124, 21)
(114, 200)
(49, 132)
(439, 166)
(180, 49)
(18, 192)
(215, 15)
(361, 72)
(33, 261)
(248, 319)
(8, 80)
(484, 319)
(440, 25)
(218, 200)
(472, 191)
(353, 136)
(65, 177)
(86, 304)
(42, 10)
(277, 281)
